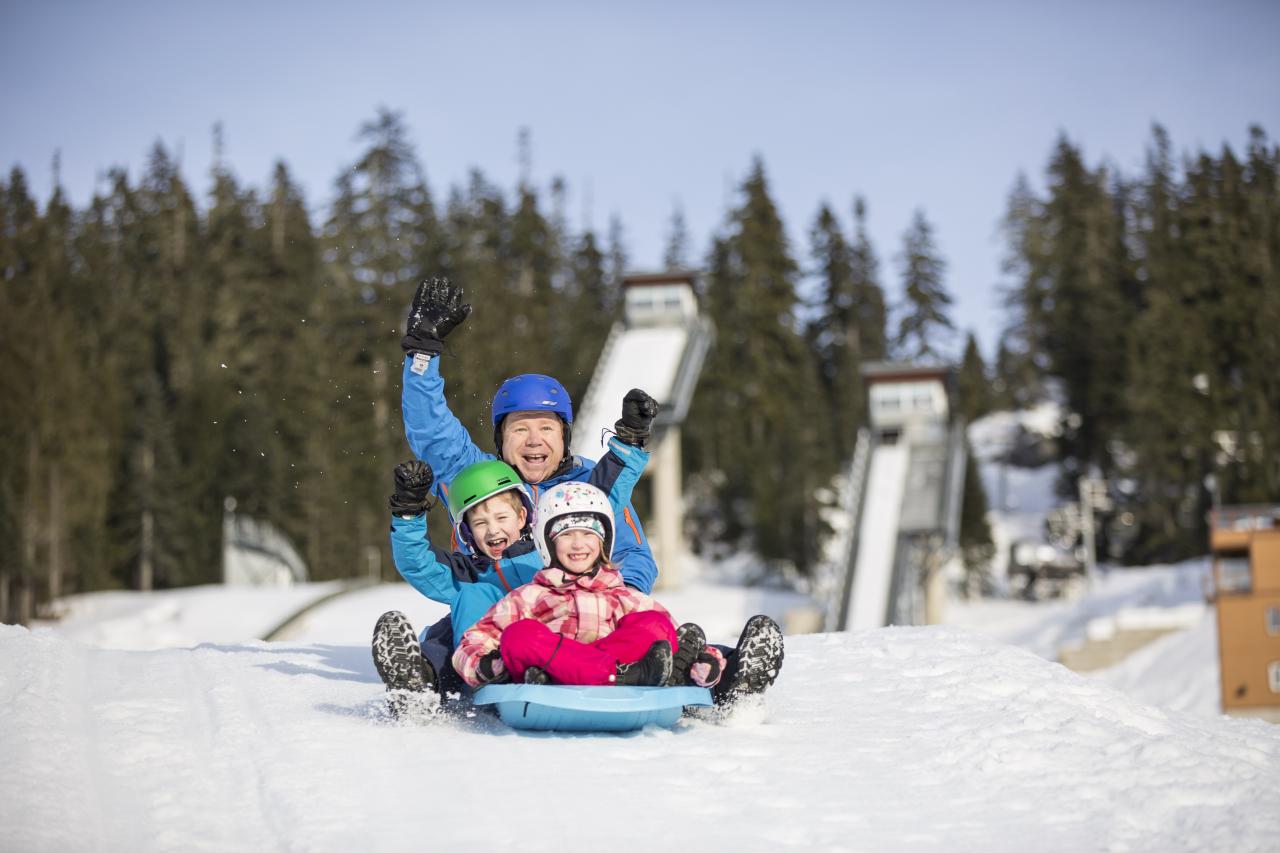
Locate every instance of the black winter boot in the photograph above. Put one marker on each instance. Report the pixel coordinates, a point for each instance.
(692, 640)
(652, 670)
(399, 660)
(754, 664)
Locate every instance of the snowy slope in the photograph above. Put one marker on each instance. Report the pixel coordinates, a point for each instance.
(893, 739)
(1178, 672)
(182, 617)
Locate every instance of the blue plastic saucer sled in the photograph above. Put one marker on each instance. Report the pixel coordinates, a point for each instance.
(565, 708)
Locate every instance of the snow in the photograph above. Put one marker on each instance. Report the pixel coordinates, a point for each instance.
(897, 738)
(932, 738)
(647, 358)
(1177, 672)
(157, 722)
(182, 617)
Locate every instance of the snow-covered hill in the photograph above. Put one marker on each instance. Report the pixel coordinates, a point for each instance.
(894, 739)
(155, 722)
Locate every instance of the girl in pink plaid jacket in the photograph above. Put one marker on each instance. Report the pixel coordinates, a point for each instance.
(576, 622)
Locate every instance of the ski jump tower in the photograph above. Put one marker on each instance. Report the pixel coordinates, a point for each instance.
(659, 347)
(906, 484)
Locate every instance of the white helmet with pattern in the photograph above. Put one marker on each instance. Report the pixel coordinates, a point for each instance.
(566, 499)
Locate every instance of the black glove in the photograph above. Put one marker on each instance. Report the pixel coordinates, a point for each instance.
(638, 412)
(436, 311)
(413, 489)
(491, 670)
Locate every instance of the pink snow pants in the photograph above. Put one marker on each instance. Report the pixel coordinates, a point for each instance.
(530, 643)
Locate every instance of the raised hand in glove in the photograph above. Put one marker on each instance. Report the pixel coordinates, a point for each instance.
(638, 412)
(413, 489)
(491, 669)
(436, 311)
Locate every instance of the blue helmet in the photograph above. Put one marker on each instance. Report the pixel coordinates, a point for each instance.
(531, 392)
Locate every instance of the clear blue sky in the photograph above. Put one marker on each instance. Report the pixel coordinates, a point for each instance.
(645, 106)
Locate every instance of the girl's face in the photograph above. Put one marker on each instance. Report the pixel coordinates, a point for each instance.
(577, 551)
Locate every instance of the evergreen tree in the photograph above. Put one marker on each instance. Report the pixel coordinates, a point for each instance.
(676, 255)
(835, 332)
(1018, 376)
(150, 527)
(976, 544)
(756, 425)
(972, 386)
(1073, 302)
(380, 222)
(1170, 423)
(1198, 388)
(26, 310)
(868, 297)
(155, 359)
(591, 305)
(479, 234)
(295, 394)
(924, 323)
(532, 306)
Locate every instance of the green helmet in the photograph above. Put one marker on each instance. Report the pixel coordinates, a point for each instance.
(477, 483)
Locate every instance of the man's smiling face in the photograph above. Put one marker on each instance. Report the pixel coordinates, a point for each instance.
(533, 444)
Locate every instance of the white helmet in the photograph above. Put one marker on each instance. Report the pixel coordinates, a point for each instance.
(572, 498)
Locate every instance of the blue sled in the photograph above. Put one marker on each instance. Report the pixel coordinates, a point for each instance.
(565, 708)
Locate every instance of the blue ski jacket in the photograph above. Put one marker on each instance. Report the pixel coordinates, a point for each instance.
(472, 583)
(437, 437)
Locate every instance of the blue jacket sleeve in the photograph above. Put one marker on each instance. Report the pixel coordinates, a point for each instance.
(434, 434)
(631, 552)
(432, 571)
(616, 474)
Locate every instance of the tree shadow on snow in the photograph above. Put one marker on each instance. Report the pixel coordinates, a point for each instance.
(342, 663)
(337, 663)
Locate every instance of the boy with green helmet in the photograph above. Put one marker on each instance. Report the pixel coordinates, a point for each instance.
(472, 488)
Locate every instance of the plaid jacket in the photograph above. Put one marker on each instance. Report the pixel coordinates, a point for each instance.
(580, 607)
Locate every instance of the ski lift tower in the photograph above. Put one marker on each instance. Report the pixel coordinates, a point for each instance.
(659, 346)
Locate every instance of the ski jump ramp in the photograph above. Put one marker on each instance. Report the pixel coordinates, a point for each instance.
(905, 510)
(659, 348)
(648, 358)
(877, 538)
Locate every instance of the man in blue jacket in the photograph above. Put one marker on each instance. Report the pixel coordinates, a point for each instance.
(532, 426)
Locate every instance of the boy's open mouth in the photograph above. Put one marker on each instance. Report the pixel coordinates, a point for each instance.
(497, 545)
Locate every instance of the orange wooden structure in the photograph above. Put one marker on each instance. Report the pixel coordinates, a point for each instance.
(1245, 541)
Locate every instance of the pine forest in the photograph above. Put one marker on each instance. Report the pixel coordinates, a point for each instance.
(167, 348)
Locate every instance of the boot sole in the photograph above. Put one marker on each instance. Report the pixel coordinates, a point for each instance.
(691, 641)
(760, 653)
(397, 656)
